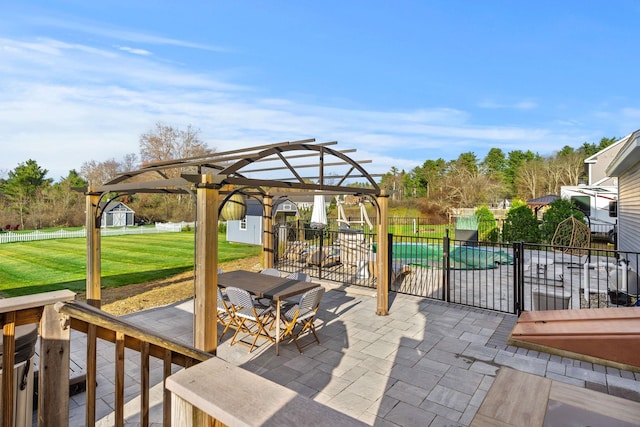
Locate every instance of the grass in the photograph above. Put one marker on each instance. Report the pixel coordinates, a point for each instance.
(48, 265)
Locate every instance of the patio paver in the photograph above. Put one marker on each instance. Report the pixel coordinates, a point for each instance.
(428, 363)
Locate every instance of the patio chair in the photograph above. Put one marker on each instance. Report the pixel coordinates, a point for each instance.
(224, 314)
(300, 317)
(249, 317)
(271, 272)
(300, 276)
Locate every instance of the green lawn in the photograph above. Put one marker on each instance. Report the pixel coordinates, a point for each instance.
(47, 265)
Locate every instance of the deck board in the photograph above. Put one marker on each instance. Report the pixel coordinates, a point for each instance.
(503, 405)
(610, 336)
(521, 399)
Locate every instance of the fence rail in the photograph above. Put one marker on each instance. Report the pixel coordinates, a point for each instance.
(504, 277)
(13, 236)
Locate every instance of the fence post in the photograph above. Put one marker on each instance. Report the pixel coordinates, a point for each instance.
(389, 259)
(446, 290)
(320, 256)
(518, 277)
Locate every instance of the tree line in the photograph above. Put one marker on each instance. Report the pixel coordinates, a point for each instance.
(468, 181)
(30, 199)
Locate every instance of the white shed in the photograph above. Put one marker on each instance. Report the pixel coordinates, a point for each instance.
(249, 229)
(117, 214)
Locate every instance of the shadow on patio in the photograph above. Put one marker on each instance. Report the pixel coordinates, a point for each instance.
(426, 363)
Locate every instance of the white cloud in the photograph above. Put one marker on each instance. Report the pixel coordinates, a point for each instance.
(66, 103)
(134, 51)
(520, 105)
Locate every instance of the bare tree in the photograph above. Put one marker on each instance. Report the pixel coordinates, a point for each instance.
(531, 179)
(167, 143)
(97, 173)
(463, 187)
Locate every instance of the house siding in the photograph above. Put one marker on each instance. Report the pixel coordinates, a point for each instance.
(629, 210)
(599, 162)
(251, 235)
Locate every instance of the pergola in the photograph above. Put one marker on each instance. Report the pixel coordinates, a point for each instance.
(263, 172)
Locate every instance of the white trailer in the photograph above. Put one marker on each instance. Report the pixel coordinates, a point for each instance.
(599, 204)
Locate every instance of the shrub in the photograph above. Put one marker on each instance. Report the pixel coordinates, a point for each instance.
(487, 230)
(521, 224)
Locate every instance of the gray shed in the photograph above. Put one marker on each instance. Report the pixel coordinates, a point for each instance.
(249, 229)
(117, 214)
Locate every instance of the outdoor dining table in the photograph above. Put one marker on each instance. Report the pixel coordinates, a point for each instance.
(277, 289)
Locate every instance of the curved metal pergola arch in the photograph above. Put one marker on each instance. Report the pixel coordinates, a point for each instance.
(256, 172)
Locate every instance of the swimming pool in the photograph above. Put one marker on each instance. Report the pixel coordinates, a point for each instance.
(461, 257)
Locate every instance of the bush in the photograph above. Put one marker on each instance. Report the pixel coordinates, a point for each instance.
(222, 227)
(487, 230)
(521, 225)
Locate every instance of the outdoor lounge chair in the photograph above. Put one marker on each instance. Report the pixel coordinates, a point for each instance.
(300, 317)
(249, 317)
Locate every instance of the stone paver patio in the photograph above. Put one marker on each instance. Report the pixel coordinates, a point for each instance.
(427, 363)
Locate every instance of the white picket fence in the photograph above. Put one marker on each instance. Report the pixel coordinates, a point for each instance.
(171, 227)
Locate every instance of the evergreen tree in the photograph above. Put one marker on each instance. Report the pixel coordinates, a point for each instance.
(521, 225)
(25, 182)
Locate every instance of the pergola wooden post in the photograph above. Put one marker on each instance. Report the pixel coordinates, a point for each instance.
(382, 255)
(267, 232)
(206, 269)
(93, 248)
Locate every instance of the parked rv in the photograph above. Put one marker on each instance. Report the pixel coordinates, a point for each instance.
(599, 205)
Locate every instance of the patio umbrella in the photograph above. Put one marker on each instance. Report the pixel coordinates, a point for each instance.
(319, 212)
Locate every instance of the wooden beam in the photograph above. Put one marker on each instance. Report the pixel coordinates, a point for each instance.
(53, 403)
(93, 249)
(382, 255)
(267, 232)
(8, 375)
(206, 269)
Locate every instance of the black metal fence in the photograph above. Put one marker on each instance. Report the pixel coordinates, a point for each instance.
(504, 277)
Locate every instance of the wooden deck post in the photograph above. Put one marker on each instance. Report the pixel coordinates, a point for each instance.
(53, 380)
(382, 256)
(93, 248)
(267, 232)
(206, 269)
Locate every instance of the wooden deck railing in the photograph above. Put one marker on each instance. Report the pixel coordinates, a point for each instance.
(53, 406)
(99, 324)
(205, 394)
(56, 313)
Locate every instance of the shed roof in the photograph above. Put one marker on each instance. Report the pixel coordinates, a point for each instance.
(254, 207)
(543, 201)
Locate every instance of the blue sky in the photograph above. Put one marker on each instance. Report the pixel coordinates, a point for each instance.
(400, 81)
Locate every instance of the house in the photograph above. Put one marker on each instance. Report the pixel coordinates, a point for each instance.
(249, 229)
(601, 190)
(626, 168)
(596, 165)
(117, 214)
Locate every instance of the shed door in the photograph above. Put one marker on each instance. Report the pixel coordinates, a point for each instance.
(119, 219)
